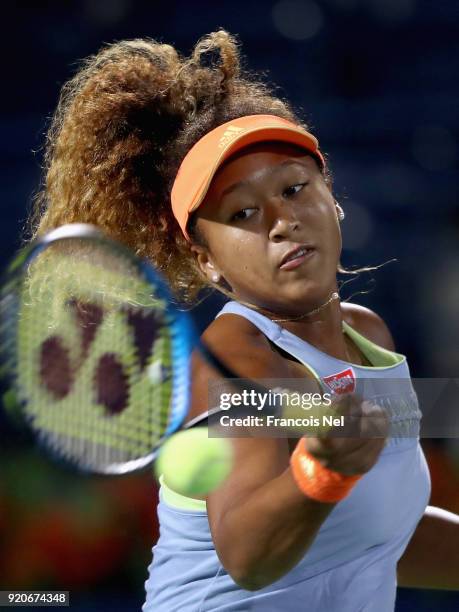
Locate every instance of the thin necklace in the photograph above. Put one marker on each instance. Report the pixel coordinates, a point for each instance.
(333, 296)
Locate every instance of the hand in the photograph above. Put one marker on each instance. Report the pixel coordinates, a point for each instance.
(355, 447)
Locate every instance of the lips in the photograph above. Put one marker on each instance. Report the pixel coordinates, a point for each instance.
(296, 255)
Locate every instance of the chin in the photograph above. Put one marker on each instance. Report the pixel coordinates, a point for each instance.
(305, 290)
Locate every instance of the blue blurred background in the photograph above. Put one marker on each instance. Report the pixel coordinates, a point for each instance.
(378, 81)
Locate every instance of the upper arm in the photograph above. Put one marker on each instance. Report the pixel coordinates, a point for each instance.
(431, 559)
(256, 460)
(369, 324)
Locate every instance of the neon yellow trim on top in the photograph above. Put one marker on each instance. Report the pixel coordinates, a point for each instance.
(381, 359)
(180, 502)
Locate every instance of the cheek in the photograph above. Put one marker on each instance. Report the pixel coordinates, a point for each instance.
(327, 217)
(228, 244)
(239, 256)
(334, 238)
(327, 230)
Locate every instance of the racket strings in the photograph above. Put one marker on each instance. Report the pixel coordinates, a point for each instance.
(95, 355)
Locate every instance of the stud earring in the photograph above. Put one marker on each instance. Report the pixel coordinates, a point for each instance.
(215, 278)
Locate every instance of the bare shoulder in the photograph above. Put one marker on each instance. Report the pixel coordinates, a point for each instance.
(244, 348)
(369, 324)
(233, 327)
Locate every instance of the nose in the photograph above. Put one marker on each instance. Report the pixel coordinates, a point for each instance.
(284, 222)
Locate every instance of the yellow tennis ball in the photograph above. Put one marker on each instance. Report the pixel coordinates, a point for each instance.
(191, 463)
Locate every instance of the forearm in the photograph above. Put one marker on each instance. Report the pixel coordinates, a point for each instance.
(431, 560)
(268, 534)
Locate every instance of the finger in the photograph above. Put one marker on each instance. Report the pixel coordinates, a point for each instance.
(360, 459)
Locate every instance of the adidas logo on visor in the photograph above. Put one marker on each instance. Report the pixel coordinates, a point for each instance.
(229, 135)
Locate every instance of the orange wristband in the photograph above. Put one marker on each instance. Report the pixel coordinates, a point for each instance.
(317, 481)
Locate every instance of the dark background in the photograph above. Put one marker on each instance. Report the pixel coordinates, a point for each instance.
(378, 82)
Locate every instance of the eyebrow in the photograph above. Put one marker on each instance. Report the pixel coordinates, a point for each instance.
(271, 172)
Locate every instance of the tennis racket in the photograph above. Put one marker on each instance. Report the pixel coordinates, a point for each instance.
(97, 350)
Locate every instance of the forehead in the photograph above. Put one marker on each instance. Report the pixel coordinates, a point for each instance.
(256, 161)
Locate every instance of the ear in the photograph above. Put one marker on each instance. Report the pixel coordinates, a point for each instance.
(205, 263)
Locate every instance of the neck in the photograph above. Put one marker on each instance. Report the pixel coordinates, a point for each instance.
(323, 329)
(321, 326)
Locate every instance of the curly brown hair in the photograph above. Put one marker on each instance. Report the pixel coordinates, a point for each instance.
(122, 127)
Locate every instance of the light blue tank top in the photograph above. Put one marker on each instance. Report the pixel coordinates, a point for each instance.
(351, 565)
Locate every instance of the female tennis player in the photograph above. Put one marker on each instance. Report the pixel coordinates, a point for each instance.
(199, 167)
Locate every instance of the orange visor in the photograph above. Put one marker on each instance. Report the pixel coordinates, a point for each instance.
(203, 160)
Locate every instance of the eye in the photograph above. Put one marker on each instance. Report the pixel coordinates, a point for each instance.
(243, 214)
(293, 190)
